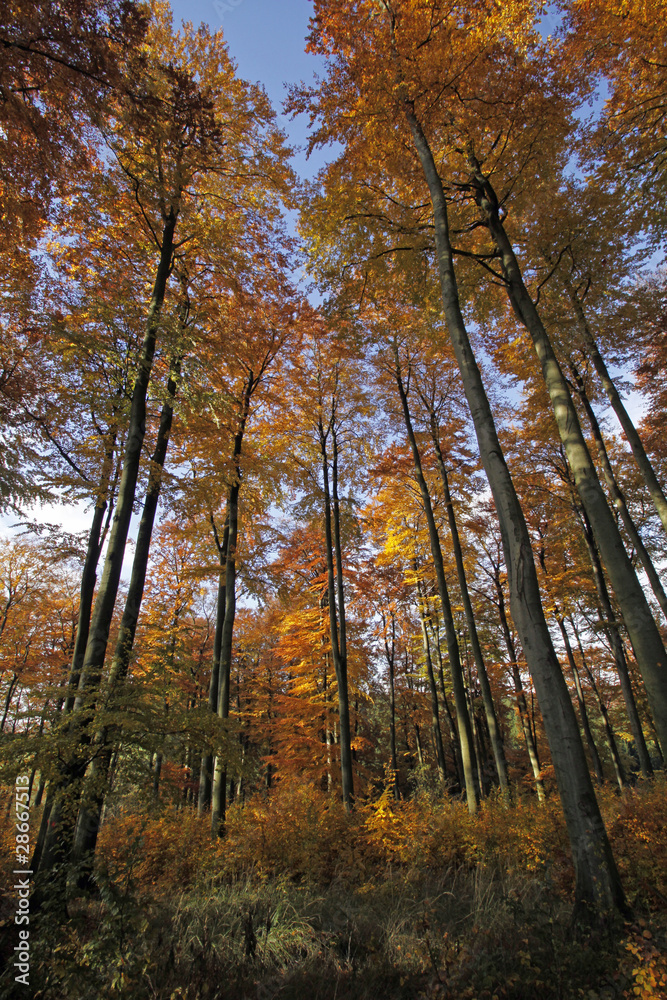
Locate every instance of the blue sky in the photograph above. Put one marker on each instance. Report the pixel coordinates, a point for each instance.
(266, 38)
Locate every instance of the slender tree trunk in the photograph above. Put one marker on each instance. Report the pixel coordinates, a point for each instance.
(608, 620)
(616, 494)
(8, 699)
(97, 784)
(633, 439)
(520, 694)
(456, 671)
(157, 774)
(219, 787)
(336, 616)
(435, 711)
(642, 629)
(206, 772)
(583, 711)
(451, 724)
(89, 575)
(390, 655)
(597, 881)
(487, 697)
(609, 732)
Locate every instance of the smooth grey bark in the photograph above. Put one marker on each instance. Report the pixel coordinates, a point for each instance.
(487, 697)
(598, 884)
(642, 629)
(466, 742)
(616, 493)
(519, 692)
(90, 812)
(59, 837)
(639, 452)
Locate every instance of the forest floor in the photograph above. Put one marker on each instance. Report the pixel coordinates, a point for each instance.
(300, 901)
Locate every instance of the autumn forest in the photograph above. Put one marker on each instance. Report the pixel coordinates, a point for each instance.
(351, 680)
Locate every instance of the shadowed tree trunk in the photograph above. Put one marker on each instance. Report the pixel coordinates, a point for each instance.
(219, 789)
(435, 711)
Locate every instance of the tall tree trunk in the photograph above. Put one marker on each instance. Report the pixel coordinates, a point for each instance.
(451, 724)
(616, 494)
(390, 655)
(336, 616)
(597, 881)
(219, 790)
(89, 575)
(8, 699)
(483, 677)
(583, 711)
(610, 624)
(435, 711)
(629, 429)
(642, 629)
(59, 837)
(456, 671)
(206, 771)
(520, 694)
(609, 732)
(97, 784)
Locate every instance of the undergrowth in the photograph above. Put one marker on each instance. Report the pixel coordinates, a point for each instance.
(398, 900)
